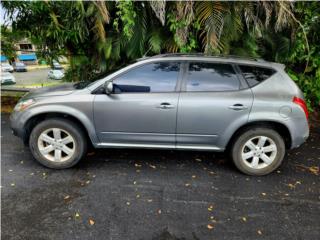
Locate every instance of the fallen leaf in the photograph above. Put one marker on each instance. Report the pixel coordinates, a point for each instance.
(10, 170)
(263, 194)
(137, 165)
(211, 173)
(210, 208)
(149, 200)
(291, 185)
(91, 153)
(152, 166)
(12, 184)
(159, 211)
(314, 170)
(87, 182)
(187, 184)
(198, 159)
(91, 221)
(209, 226)
(66, 197)
(128, 203)
(31, 174)
(259, 232)
(194, 176)
(134, 182)
(244, 219)
(138, 196)
(21, 162)
(77, 215)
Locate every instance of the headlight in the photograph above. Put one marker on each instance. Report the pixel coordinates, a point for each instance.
(23, 105)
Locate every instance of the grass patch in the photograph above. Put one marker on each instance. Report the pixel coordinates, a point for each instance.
(39, 85)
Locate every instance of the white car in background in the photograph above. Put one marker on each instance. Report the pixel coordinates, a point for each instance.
(7, 78)
(6, 67)
(55, 74)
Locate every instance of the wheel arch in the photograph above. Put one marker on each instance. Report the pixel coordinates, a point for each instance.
(281, 128)
(36, 118)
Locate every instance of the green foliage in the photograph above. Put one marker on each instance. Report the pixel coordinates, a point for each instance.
(8, 38)
(125, 13)
(98, 37)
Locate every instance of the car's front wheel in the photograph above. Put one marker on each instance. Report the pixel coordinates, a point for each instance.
(258, 151)
(57, 143)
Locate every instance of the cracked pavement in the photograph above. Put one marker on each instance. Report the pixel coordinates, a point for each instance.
(159, 195)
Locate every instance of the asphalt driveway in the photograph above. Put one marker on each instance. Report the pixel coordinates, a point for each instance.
(159, 195)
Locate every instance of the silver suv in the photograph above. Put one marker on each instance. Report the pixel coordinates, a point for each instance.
(173, 101)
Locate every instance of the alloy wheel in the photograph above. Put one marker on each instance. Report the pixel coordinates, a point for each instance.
(259, 152)
(56, 144)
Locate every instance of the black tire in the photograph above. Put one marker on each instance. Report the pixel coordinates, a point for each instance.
(80, 142)
(242, 138)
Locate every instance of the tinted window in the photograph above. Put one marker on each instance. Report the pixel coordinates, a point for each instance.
(211, 77)
(153, 77)
(254, 75)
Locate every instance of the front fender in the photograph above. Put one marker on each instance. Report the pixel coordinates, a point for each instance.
(85, 119)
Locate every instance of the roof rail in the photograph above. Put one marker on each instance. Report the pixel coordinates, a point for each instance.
(201, 55)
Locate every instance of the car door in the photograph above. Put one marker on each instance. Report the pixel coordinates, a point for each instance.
(143, 108)
(213, 102)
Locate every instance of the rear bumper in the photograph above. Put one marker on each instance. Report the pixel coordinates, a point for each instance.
(299, 130)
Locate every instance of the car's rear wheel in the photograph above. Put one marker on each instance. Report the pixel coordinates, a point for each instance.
(58, 143)
(258, 151)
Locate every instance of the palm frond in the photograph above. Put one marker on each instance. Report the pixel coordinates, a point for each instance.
(210, 16)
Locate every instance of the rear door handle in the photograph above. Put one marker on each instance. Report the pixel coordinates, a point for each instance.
(238, 107)
(165, 105)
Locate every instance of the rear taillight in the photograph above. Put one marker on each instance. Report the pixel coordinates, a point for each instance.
(302, 104)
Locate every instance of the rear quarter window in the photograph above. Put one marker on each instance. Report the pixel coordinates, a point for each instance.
(254, 75)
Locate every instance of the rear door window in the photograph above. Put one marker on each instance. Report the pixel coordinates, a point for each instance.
(254, 75)
(211, 77)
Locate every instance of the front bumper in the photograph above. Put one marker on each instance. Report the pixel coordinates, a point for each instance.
(17, 126)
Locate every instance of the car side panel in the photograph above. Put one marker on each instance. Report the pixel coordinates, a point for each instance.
(273, 102)
(206, 119)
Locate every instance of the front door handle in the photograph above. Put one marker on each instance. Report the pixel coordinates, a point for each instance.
(165, 105)
(238, 107)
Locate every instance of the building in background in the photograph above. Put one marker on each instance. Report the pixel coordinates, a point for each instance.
(25, 51)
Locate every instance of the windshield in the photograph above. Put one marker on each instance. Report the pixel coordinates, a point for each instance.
(82, 85)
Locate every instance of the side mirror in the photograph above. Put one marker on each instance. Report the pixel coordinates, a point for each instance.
(108, 87)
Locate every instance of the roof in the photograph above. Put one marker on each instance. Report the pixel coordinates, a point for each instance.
(27, 57)
(215, 58)
(202, 55)
(3, 58)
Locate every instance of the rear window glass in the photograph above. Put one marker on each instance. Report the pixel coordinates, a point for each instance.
(255, 75)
